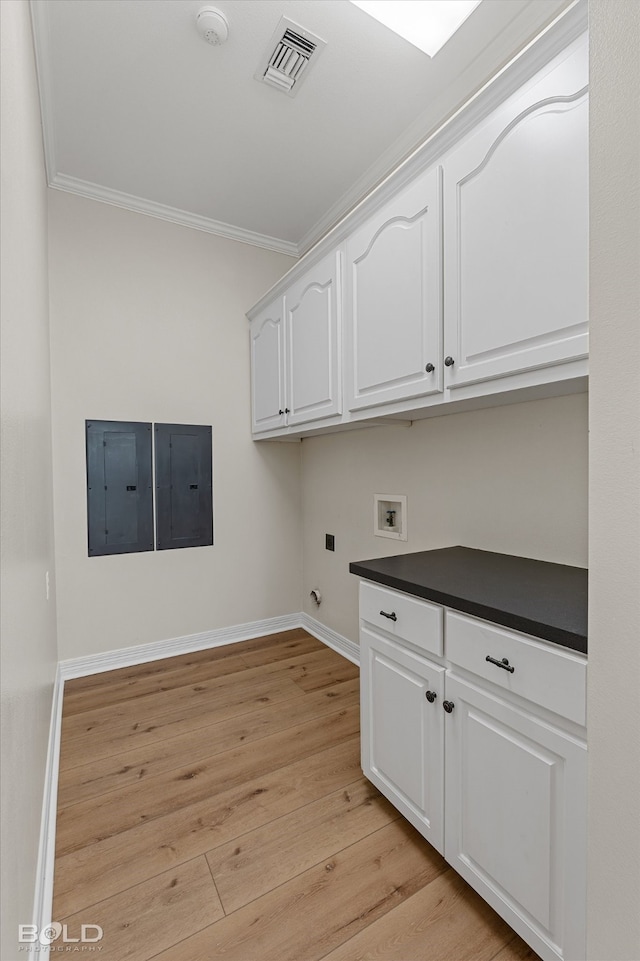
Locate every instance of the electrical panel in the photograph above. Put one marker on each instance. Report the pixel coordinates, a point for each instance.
(184, 480)
(119, 487)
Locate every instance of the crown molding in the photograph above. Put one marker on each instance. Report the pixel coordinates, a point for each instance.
(411, 153)
(117, 198)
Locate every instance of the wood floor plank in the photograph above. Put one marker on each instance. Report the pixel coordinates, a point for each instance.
(243, 762)
(248, 867)
(218, 699)
(105, 867)
(79, 782)
(115, 690)
(199, 694)
(159, 666)
(311, 676)
(129, 689)
(444, 921)
(312, 914)
(135, 732)
(140, 688)
(90, 820)
(306, 644)
(516, 950)
(151, 916)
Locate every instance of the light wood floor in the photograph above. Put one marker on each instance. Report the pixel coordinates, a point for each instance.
(212, 806)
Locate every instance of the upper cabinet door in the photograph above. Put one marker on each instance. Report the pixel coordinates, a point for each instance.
(267, 369)
(516, 232)
(313, 329)
(394, 298)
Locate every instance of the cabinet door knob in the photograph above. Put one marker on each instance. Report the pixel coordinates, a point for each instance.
(429, 368)
(448, 706)
(281, 412)
(431, 696)
(392, 616)
(287, 411)
(504, 663)
(449, 362)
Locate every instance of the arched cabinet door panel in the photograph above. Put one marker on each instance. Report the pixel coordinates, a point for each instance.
(313, 349)
(516, 233)
(394, 298)
(267, 369)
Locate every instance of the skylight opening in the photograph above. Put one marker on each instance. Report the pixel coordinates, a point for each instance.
(427, 24)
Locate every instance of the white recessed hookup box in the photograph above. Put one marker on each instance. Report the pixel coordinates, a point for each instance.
(390, 516)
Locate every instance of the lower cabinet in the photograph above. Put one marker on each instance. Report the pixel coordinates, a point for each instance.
(495, 782)
(516, 817)
(403, 732)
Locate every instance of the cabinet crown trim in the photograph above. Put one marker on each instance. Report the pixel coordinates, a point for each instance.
(551, 42)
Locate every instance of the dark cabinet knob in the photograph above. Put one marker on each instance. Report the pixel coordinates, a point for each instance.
(431, 696)
(287, 411)
(448, 706)
(449, 362)
(429, 368)
(281, 411)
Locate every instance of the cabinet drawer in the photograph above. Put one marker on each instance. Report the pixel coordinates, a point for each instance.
(410, 619)
(548, 675)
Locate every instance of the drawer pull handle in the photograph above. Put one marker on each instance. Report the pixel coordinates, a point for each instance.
(392, 616)
(431, 696)
(504, 663)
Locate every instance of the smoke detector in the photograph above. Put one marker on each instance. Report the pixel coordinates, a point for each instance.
(286, 60)
(212, 25)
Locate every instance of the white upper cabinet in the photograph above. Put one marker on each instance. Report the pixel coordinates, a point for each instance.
(516, 232)
(267, 369)
(394, 298)
(465, 282)
(312, 324)
(295, 352)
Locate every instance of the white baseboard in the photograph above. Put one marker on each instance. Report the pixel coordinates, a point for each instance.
(43, 900)
(127, 657)
(331, 638)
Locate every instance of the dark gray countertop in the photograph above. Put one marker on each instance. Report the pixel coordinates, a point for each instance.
(535, 597)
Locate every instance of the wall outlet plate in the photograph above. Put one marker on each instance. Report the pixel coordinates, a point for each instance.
(390, 516)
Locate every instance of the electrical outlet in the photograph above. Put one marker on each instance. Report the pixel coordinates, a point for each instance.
(330, 542)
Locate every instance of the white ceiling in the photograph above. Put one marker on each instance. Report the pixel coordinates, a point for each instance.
(140, 111)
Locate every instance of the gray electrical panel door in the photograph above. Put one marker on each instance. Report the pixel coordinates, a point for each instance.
(184, 503)
(119, 487)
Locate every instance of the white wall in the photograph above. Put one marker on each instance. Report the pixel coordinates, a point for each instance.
(614, 549)
(147, 324)
(511, 479)
(27, 619)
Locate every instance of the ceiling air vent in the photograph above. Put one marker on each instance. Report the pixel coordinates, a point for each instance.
(289, 53)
